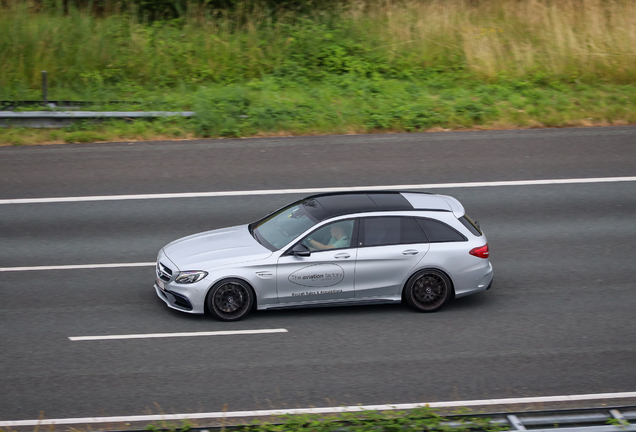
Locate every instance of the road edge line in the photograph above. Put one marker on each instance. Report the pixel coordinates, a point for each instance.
(325, 410)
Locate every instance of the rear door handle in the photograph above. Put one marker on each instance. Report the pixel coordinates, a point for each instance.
(342, 255)
(410, 252)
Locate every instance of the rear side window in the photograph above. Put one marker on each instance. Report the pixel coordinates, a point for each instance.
(392, 230)
(380, 231)
(412, 232)
(472, 226)
(438, 232)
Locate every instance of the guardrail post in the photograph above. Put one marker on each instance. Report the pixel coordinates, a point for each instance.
(619, 416)
(44, 88)
(516, 423)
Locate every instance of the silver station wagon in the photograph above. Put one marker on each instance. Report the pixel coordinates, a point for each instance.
(330, 249)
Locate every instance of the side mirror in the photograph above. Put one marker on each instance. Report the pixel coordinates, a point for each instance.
(300, 250)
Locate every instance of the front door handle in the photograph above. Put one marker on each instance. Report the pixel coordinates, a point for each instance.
(342, 255)
(410, 252)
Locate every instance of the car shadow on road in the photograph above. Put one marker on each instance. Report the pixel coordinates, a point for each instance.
(461, 305)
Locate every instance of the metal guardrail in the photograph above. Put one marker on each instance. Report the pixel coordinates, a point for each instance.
(56, 119)
(12, 105)
(614, 419)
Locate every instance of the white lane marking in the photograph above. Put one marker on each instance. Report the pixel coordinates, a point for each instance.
(316, 190)
(327, 410)
(78, 266)
(169, 335)
(278, 192)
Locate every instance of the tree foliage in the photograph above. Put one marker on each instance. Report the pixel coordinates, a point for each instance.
(171, 9)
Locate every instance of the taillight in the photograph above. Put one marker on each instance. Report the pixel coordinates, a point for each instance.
(481, 251)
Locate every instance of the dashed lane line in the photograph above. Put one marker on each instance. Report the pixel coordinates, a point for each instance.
(77, 267)
(172, 335)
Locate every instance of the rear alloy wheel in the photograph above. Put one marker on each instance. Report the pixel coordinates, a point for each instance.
(230, 300)
(428, 290)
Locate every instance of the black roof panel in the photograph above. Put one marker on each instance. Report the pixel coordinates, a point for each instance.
(330, 205)
(390, 201)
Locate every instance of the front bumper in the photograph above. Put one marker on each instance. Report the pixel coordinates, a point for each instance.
(174, 300)
(188, 298)
(184, 298)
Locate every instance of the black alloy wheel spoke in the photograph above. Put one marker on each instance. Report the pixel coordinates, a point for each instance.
(429, 290)
(230, 299)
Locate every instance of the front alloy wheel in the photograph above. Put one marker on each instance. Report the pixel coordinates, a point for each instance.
(428, 290)
(230, 300)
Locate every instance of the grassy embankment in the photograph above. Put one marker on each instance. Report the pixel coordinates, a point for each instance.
(416, 420)
(370, 66)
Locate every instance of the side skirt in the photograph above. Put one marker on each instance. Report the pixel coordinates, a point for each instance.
(352, 302)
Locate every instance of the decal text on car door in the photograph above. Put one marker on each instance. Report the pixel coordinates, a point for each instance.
(318, 275)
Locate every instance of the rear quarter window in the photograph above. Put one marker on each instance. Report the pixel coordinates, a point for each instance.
(472, 226)
(438, 232)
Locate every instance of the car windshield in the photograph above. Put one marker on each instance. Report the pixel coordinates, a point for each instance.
(282, 227)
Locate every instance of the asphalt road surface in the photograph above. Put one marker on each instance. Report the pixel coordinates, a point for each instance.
(560, 318)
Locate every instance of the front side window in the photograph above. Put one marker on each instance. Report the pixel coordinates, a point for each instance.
(282, 227)
(336, 235)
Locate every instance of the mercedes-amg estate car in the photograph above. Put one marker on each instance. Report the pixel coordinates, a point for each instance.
(330, 249)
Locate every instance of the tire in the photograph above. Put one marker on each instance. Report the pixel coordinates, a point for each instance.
(230, 300)
(428, 290)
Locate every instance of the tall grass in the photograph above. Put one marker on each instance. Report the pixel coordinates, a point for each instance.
(586, 40)
(565, 38)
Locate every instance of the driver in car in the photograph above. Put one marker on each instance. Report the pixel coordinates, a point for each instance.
(339, 239)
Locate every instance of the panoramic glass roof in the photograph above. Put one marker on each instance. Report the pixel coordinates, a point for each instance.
(323, 207)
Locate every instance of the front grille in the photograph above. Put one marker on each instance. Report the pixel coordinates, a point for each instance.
(164, 272)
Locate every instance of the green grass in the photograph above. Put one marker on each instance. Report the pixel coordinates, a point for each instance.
(368, 66)
(590, 40)
(416, 420)
(344, 104)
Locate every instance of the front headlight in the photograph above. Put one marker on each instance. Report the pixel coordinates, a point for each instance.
(188, 277)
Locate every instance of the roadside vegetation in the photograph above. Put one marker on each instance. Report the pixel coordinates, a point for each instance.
(253, 69)
(417, 420)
